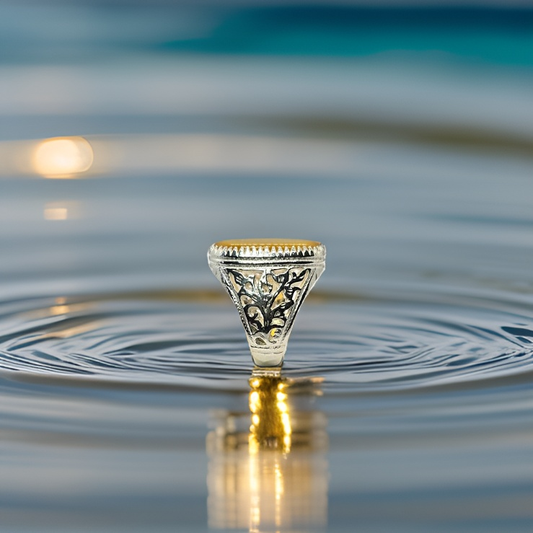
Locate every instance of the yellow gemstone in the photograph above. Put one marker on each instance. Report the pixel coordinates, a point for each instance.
(247, 243)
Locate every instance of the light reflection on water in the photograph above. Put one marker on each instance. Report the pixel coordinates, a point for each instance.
(62, 158)
(272, 475)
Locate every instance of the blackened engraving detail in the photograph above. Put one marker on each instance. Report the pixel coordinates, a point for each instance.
(267, 297)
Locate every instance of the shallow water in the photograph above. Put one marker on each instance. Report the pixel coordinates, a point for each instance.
(126, 398)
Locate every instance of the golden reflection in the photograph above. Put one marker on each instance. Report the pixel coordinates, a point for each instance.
(63, 307)
(66, 333)
(55, 213)
(60, 307)
(267, 468)
(61, 210)
(271, 423)
(62, 157)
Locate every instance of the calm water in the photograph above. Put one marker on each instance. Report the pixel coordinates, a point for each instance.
(125, 379)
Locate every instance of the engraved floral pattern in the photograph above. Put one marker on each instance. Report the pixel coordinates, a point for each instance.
(266, 297)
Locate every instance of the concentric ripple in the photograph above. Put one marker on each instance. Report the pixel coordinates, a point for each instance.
(357, 343)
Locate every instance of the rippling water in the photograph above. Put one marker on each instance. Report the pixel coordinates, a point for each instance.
(356, 342)
(125, 371)
(127, 400)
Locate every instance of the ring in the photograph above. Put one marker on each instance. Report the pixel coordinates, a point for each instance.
(268, 280)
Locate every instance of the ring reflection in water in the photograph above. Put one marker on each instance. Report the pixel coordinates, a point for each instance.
(268, 469)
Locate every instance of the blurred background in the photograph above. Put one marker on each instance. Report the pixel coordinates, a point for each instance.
(133, 134)
(170, 92)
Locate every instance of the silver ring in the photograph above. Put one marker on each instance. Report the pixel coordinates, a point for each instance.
(268, 280)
